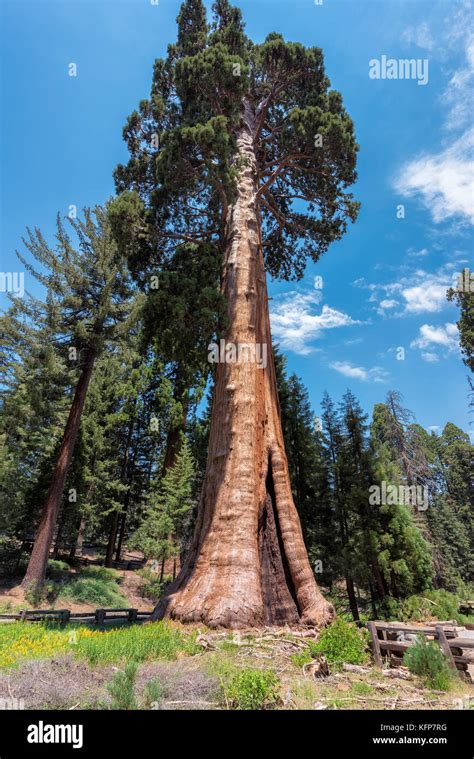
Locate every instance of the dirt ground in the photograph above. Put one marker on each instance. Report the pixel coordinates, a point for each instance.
(195, 682)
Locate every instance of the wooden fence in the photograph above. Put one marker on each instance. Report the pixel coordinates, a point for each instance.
(392, 639)
(98, 617)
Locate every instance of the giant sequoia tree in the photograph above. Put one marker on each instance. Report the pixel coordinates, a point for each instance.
(245, 149)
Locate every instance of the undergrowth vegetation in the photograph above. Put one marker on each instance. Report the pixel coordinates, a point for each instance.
(94, 585)
(425, 659)
(158, 640)
(342, 642)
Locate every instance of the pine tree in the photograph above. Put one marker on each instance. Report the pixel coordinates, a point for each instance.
(170, 503)
(244, 148)
(89, 288)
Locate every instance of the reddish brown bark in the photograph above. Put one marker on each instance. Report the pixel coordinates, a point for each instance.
(248, 564)
(173, 440)
(36, 570)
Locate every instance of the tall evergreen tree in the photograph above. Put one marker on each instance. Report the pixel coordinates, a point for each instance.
(244, 148)
(89, 287)
(170, 503)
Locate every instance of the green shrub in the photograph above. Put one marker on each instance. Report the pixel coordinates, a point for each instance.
(438, 604)
(252, 689)
(57, 570)
(36, 593)
(122, 688)
(153, 693)
(152, 587)
(10, 555)
(301, 658)
(342, 642)
(96, 586)
(425, 658)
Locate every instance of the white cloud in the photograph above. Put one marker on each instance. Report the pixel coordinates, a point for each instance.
(458, 94)
(295, 325)
(416, 293)
(444, 337)
(444, 181)
(430, 358)
(376, 374)
(385, 305)
(427, 297)
(419, 35)
(418, 253)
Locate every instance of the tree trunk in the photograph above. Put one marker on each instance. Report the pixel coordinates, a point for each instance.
(352, 597)
(76, 548)
(173, 440)
(36, 570)
(247, 565)
(109, 555)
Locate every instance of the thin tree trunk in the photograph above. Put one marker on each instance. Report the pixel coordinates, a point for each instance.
(352, 597)
(248, 564)
(123, 522)
(109, 556)
(173, 440)
(36, 570)
(76, 549)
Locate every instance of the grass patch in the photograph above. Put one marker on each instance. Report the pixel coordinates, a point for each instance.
(362, 689)
(157, 640)
(301, 658)
(97, 586)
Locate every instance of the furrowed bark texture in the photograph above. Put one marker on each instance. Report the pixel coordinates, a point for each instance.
(36, 570)
(247, 565)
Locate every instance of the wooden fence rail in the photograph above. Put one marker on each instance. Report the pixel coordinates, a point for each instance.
(98, 617)
(448, 635)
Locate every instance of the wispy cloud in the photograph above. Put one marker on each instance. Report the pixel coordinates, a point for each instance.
(443, 337)
(443, 180)
(419, 35)
(375, 374)
(416, 293)
(296, 324)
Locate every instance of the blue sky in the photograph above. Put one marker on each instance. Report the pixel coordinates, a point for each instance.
(383, 285)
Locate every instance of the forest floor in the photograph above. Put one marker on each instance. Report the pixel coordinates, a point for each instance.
(198, 669)
(123, 585)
